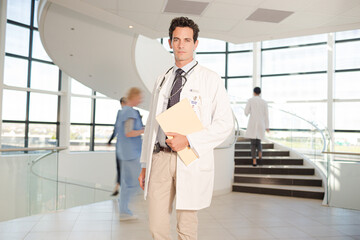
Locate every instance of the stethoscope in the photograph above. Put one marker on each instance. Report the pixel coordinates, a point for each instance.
(182, 76)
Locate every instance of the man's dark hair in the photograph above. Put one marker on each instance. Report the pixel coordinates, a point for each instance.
(257, 90)
(122, 100)
(184, 22)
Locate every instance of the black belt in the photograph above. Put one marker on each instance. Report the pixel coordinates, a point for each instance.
(165, 149)
(158, 148)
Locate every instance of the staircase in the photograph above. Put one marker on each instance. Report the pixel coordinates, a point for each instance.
(280, 174)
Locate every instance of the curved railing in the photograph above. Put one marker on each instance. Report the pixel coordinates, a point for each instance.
(291, 130)
(308, 138)
(34, 186)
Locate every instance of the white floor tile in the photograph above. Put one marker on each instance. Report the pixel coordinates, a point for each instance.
(61, 216)
(349, 229)
(323, 231)
(132, 235)
(335, 238)
(54, 226)
(97, 216)
(47, 236)
(16, 226)
(13, 235)
(233, 216)
(215, 234)
(92, 226)
(287, 232)
(90, 235)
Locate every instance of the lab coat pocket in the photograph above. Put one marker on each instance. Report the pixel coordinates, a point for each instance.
(206, 163)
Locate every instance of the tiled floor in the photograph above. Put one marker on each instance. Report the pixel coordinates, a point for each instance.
(232, 216)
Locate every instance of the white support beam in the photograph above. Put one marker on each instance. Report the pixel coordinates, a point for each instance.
(64, 133)
(256, 64)
(330, 94)
(3, 8)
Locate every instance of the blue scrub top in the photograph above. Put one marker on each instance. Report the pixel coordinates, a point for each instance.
(128, 148)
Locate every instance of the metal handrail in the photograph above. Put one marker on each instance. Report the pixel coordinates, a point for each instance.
(323, 131)
(56, 149)
(343, 153)
(32, 149)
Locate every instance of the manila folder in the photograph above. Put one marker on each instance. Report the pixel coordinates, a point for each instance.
(182, 119)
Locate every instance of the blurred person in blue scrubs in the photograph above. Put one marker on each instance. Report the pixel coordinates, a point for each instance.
(129, 151)
(114, 134)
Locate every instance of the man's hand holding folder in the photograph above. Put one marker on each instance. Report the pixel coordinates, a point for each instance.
(177, 122)
(176, 141)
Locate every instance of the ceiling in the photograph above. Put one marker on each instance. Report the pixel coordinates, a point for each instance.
(226, 19)
(91, 41)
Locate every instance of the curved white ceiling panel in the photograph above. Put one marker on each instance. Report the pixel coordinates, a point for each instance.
(151, 60)
(100, 55)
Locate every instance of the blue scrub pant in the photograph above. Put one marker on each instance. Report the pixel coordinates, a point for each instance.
(130, 171)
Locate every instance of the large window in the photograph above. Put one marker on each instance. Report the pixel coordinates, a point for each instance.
(92, 117)
(294, 79)
(346, 93)
(31, 83)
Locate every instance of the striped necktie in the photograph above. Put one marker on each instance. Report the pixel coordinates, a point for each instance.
(176, 89)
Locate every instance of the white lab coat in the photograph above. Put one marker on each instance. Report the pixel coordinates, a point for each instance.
(259, 118)
(194, 183)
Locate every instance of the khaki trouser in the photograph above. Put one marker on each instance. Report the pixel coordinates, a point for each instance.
(162, 188)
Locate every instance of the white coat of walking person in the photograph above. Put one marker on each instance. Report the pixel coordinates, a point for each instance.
(164, 176)
(258, 123)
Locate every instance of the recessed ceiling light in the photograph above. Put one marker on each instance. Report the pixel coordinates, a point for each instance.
(131, 26)
(72, 29)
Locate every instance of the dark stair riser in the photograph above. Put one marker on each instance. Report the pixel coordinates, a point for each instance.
(271, 161)
(264, 153)
(247, 146)
(285, 171)
(279, 192)
(279, 181)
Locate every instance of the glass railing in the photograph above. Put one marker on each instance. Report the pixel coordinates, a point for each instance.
(309, 139)
(30, 184)
(292, 131)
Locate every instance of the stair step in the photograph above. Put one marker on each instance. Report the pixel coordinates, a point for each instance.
(270, 161)
(246, 145)
(278, 179)
(280, 190)
(275, 169)
(265, 152)
(280, 176)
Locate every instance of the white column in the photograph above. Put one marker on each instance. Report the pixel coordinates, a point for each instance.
(330, 95)
(64, 133)
(3, 7)
(256, 64)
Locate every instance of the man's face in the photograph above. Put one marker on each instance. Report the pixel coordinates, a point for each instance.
(183, 44)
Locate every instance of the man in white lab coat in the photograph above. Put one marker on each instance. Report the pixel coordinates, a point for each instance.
(163, 172)
(258, 123)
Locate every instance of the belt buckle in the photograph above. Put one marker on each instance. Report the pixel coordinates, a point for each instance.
(156, 148)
